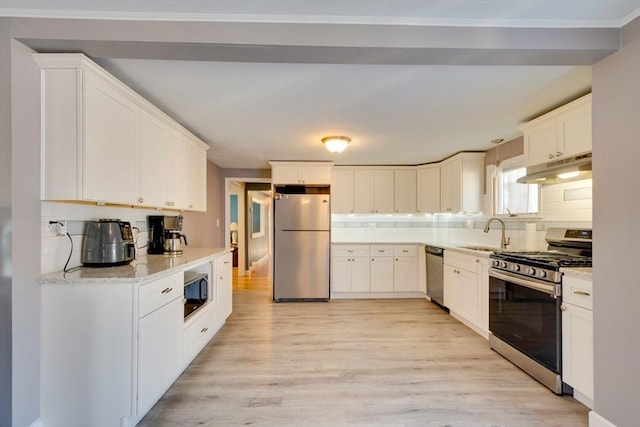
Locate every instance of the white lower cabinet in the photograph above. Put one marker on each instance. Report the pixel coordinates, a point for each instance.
(370, 271)
(577, 337)
(109, 350)
(381, 268)
(224, 287)
(466, 289)
(159, 352)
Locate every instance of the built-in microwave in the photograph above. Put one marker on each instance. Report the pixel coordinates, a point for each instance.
(196, 292)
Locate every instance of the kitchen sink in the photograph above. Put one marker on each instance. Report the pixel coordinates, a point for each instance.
(481, 248)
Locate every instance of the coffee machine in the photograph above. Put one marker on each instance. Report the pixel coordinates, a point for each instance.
(165, 234)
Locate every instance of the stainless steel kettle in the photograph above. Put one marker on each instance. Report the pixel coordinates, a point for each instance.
(172, 240)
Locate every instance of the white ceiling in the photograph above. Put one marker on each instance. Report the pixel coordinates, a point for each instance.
(250, 113)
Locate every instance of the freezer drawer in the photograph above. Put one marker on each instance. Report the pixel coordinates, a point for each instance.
(301, 265)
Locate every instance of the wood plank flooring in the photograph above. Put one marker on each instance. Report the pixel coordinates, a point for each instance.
(353, 363)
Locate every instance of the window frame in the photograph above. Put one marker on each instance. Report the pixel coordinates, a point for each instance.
(492, 184)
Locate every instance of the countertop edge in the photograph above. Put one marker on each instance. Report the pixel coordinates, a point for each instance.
(134, 273)
(579, 272)
(453, 246)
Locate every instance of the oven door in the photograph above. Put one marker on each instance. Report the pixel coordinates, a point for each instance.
(525, 313)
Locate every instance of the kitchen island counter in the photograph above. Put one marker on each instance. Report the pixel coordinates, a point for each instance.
(144, 268)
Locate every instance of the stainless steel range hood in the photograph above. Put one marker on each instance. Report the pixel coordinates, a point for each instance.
(566, 170)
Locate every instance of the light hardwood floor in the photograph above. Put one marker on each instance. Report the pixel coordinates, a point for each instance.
(353, 363)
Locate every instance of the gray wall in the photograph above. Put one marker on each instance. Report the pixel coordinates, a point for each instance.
(616, 211)
(6, 255)
(201, 228)
(25, 125)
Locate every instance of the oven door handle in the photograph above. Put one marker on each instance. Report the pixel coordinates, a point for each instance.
(550, 289)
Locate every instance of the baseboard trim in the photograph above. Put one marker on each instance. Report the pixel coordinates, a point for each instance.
(596, 420)
(37, 423)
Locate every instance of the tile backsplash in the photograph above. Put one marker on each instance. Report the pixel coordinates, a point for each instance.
(55, 249)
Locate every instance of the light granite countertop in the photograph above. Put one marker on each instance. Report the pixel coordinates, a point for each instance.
(579, 272)
(144, 268)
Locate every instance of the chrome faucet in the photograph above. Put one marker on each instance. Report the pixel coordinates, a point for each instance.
(505, 240)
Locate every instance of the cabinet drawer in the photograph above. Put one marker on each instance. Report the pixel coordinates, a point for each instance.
(351, 251)
(198, 333)
(381, 250)
(405, 250)
(224, 262)
(460, 261)
(160, 292)
(577, 292)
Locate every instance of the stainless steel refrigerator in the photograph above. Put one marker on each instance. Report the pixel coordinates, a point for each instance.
(302, 243)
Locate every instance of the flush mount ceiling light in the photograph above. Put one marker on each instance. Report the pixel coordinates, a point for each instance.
(336, 144)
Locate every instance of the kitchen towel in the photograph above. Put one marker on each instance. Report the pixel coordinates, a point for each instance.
(530, 236)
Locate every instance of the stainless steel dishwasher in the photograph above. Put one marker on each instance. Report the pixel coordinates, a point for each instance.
(435, 274)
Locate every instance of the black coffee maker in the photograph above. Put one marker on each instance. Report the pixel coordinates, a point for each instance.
(163, 231)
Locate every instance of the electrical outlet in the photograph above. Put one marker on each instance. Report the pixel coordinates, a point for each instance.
(58, 228)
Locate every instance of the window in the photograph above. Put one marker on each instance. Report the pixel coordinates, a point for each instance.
(512, 198)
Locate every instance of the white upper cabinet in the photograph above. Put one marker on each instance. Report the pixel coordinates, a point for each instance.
(461, 183)
(102, 142)
(110, 136)
(373, 190)
(342, 191)
(561, 133)
(428, 189)
(307, 173)
(405, 190)
(196, 178)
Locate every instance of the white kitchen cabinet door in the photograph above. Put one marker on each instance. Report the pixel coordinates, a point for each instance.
(428, 189)
(341, 274)
(360, 274)
(574, 131)
(176, 169)
(405, 273)
(342, 200)
(451, 182)
(404, 191)
(452, 288)
(363, 190)
(308, 173)
(110, 143)
(469, 304)
(461, 183)
(561, 133)
(349, 273)
(159, 352)
(199, 331)
(196, 177)
(577, 348)
(316, 175)
(383, 191)
(541, 141)
(381, 270)
(224, 287)
(152, 162)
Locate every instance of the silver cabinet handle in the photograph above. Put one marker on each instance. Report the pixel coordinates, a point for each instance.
(551, 156)
(140, 200)
(583, 293)
(405, 251)
(203, 330)
(558, 153)
(226, 262)
(166, 290)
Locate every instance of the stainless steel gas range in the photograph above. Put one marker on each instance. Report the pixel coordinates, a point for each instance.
(525, 297)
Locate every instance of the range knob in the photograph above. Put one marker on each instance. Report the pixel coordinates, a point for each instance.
(531, 271)
(495, 263)
(515, 267)
(504, 264)
(541, 274)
